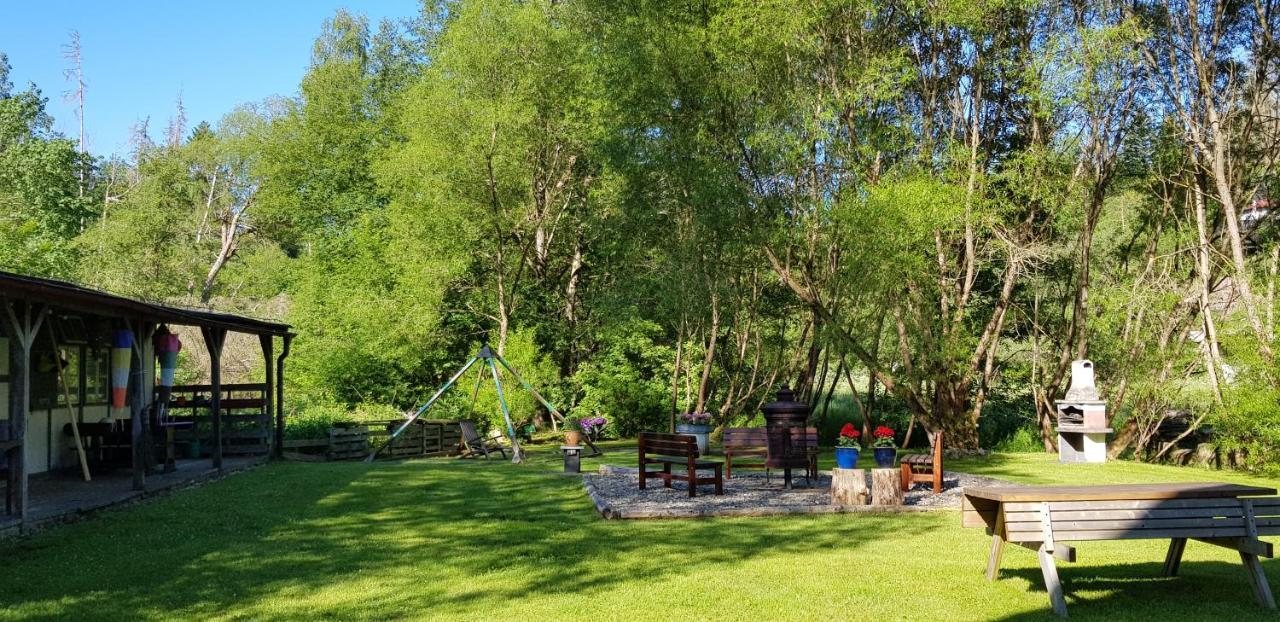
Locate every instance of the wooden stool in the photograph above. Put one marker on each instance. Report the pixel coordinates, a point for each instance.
(849, 487)
(886, 486)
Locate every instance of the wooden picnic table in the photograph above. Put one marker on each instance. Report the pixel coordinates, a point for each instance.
(1042, 518)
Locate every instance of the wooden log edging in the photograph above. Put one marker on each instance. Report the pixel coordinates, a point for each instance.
(609, 512)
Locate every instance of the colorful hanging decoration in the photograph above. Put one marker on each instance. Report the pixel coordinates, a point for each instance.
(121, 356)
(166, 346)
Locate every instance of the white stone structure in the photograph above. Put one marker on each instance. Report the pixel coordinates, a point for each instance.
(1082, 419)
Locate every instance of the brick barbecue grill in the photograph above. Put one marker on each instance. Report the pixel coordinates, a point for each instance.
(1082, 418)
(785, 422)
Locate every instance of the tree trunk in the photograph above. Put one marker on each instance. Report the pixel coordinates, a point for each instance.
(849, 487)
(886, 486)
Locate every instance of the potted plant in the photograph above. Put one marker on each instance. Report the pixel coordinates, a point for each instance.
(885, 449)
(697, 425)
(847, 447)
(593, 427)
(573, 430)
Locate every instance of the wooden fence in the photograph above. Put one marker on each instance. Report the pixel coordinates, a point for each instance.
(423, 438)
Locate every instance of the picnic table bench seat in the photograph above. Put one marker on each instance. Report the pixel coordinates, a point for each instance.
(679, 450)
(1045, 518)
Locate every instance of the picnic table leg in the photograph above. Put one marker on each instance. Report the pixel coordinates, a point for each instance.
(1051, 582)
(719, 481)
(1173, 559)
(666, 475)
(997, 553)
(1258, 580)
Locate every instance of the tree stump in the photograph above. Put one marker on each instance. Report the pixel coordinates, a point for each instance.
(849, 487)
(886, 487)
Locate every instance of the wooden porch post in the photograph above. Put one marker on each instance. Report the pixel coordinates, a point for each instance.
(284, 353)
(140, 440)
(24, 324)
(214, 338)
(268, 394)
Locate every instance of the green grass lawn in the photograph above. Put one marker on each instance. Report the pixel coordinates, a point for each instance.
(447, 539)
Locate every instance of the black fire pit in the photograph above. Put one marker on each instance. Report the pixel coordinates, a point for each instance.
(785, 422)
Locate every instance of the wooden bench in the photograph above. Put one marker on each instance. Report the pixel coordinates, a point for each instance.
(924, 467)
(677, 449)
(754, 443)
(1044, 518)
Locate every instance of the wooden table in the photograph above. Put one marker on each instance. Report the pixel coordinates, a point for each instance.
(1041, 518)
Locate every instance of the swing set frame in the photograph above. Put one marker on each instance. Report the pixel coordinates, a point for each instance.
(486, 357)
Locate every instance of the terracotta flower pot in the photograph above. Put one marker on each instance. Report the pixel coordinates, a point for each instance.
(572, 437)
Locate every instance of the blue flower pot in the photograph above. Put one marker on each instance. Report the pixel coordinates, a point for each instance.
(846, 457)
(885, 456)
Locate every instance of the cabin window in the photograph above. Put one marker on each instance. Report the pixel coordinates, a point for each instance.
(97, 376)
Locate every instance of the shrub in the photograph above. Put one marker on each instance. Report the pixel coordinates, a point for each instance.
(1024, 440)
(314, 420)
(1248, 423)
(627, 380)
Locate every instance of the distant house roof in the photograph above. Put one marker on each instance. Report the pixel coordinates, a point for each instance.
(63, 294)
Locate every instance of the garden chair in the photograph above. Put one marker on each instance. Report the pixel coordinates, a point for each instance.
(473, 444)
(924, 467)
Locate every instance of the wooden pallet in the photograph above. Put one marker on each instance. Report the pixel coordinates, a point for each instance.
(348, 443)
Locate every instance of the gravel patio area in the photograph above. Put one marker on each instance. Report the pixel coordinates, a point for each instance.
(617, 495)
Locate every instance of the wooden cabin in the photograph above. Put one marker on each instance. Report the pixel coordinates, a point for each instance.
(56, 381)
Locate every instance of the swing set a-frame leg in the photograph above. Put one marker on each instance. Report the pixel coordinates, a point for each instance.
(528, 387)
(517, 454)
(408, 422)
(488, 357)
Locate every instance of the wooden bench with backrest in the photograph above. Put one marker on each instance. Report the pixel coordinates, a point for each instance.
(679, 450)
(475, 445)
(753, 443)
(1045, 525)
(925, 468)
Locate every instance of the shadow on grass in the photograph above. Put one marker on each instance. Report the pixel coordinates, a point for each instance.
(1138, 591)
(353, 540)
(475, 540)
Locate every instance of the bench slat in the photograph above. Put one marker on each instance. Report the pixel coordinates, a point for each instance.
(1123, 504)
(683, 461)
(1138, 513)
(1138, 534)
(1063, 528)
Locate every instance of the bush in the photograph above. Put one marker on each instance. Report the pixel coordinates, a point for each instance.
(314, 420)
(1248, 423)
(1024, 440)
(626, 381)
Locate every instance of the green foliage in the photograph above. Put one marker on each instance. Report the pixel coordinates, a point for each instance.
(44, 202)
(1248, 423)
(1024, 440)
(314, 420)
(627, 381)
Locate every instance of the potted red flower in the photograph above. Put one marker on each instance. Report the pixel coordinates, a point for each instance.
(885, 449)
(847, 447)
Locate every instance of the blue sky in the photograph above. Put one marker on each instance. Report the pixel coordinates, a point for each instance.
(139, 55)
